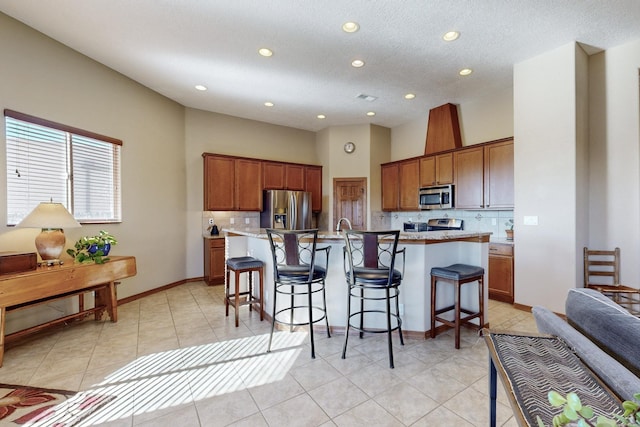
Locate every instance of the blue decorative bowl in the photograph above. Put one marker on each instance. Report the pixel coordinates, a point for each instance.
(104, 248)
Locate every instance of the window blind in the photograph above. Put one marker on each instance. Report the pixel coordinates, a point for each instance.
(49, 163)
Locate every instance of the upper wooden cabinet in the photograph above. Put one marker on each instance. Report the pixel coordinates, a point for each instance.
(232, 183)
(484, 176)
(409, 172)
(273, 175)
(390, 187)
(313, 183)
(498, 175)
(436, 170)
(294, 177)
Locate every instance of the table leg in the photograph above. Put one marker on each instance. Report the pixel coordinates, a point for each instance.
(108, 297)
(492, 393)
(3, 312)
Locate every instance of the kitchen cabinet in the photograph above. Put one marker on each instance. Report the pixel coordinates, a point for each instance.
(498, 161)
(232, 183)
(390, 178)
(436, 170)
(214, 261)
(484, 176)
(501, 272)
(409, 178)
(313, 184)
(469, 178)
(273, 175)
(294, 177)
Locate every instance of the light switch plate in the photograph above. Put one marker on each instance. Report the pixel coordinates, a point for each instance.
(530, 220)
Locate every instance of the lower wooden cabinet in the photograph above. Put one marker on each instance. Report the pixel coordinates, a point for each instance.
(214, 261)
(501, 272)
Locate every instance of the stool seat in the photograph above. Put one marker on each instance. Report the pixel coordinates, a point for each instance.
(244, 262)
(457, 272)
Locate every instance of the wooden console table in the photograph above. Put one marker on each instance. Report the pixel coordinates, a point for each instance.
(46, 284)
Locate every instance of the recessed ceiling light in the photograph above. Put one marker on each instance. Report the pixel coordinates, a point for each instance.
(410, 96)
(450, 36)
(371, 113)
(200, 87)
(265, 52)
(321, 116)
(268, 104)
(350, 27)
(465, 71)
(357, 63)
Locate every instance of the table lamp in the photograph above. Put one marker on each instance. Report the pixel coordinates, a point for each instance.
(51, 218)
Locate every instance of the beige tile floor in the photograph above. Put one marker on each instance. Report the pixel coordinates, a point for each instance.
(173, 358)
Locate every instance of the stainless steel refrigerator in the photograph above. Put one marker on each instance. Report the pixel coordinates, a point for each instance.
(289, 210)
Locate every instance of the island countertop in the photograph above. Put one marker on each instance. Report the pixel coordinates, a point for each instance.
(423, 237)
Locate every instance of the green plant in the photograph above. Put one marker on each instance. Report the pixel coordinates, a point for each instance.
(509, 224)
(574, 412)
(93, 248)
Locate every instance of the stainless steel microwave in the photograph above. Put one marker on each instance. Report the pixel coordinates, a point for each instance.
(436, 197)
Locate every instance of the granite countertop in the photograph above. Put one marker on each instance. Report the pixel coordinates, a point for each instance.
(501, 240)
(337, 235)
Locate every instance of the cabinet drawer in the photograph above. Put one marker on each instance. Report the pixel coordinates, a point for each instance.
(500, 249)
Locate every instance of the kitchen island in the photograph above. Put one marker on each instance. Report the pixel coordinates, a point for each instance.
(424, 250)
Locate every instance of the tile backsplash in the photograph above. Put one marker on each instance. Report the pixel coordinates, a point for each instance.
(230, 219)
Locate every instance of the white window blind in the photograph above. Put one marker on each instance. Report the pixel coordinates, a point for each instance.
(48, 161)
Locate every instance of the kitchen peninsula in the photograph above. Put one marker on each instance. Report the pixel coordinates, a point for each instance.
(424, 250)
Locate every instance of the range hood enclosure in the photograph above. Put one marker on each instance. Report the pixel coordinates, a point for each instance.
(443, 130)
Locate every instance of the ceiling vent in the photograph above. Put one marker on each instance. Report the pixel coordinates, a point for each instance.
(443, 129)
(366, 97)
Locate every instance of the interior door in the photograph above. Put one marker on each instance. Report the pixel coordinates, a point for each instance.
(350, 201)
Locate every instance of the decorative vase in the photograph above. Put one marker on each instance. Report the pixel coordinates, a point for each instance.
(509, 234)
(104, 248)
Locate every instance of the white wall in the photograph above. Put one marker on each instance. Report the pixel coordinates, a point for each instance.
(546, 152)
(615, 156)
(43, 78)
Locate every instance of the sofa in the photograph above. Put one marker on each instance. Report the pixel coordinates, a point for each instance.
(601, 333)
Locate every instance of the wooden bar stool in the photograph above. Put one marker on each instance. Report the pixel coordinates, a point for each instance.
(244, 264)
(457, 275)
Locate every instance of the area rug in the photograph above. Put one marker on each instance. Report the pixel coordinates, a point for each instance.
(24, 405)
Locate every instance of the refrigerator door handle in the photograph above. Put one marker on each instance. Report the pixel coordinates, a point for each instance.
(292, 212)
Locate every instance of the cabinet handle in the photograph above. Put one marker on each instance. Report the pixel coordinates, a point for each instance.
(493, 250)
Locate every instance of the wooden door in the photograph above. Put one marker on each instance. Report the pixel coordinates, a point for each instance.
(390, 187)
(427, 171)
(273, 176)
(294, 177)
(444, 169)
(409, 185)
(498, 160)
(469, 178)
(350, 201)
(219, 178)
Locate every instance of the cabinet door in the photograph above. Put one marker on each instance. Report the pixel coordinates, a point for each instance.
(427, 171)
(469, 178)
(273, 176)
(214, 262)
(501, 273)
(390, 185)
(248, 185)
(313, 183)
(498, 159)
(409, 184)
(294, 177)
(219, 187)
(444, 169)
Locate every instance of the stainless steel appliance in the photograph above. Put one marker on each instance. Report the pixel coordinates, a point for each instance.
(436, 224)
(415, 226)
(436, 197)
(290, 210)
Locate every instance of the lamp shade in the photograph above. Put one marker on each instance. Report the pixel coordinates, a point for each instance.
(49, 215)
(51, 218)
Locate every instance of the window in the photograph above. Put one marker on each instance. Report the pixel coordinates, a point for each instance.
(49, 161)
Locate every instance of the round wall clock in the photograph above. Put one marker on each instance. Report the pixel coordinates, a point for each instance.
(349, 147)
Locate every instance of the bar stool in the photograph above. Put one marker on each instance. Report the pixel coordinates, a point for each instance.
(457, 275)
(244, 264)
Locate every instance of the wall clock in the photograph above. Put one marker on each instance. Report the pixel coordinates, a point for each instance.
(349, 147)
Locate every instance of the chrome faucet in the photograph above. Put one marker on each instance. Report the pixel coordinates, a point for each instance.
(340, 222)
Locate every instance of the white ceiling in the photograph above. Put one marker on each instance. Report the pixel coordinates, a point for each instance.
(172, 45)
